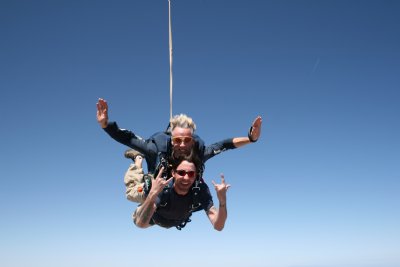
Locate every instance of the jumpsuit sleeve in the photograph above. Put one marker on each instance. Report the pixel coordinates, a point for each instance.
(127, 138)
(216, 148)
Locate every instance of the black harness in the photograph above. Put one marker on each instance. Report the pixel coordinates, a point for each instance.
(196, 203)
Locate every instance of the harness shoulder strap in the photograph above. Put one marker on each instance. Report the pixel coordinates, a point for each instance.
(196, 195)
(165, 194)
(196, 203)
(162, 141)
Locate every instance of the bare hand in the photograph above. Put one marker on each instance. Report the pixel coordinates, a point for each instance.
(221, 189)
(256, 128)
(158, 184)
(102, 113)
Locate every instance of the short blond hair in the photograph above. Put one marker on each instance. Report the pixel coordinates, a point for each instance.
(182, 121)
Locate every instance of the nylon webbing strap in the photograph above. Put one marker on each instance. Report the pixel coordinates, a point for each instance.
(170, 60)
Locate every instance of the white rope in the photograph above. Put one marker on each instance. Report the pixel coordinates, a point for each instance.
(170, 59)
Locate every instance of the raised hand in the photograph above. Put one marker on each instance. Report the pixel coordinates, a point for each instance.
(102, 112)
(255, 130)
(221, 189)
(158, 183)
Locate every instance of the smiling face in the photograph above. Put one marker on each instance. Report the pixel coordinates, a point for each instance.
(182, 141)
(184, 175)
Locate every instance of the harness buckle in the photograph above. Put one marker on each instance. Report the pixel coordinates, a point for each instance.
(196, 203)
(195, 206)
(196, 190)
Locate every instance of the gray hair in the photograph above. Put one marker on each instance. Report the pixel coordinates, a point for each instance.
(182, 121)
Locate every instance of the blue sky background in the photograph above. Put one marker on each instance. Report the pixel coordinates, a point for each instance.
(321, 188)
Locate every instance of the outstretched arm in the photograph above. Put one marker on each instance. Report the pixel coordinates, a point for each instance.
(253, 135)
(218, 216)
(144, 212)
(122, 136)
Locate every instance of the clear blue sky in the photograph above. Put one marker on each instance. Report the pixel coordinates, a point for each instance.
(321, 188)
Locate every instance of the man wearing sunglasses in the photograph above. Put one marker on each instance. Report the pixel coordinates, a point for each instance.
(170, 203)
(180, 141)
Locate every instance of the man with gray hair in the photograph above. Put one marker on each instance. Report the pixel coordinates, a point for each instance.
(180, 141)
